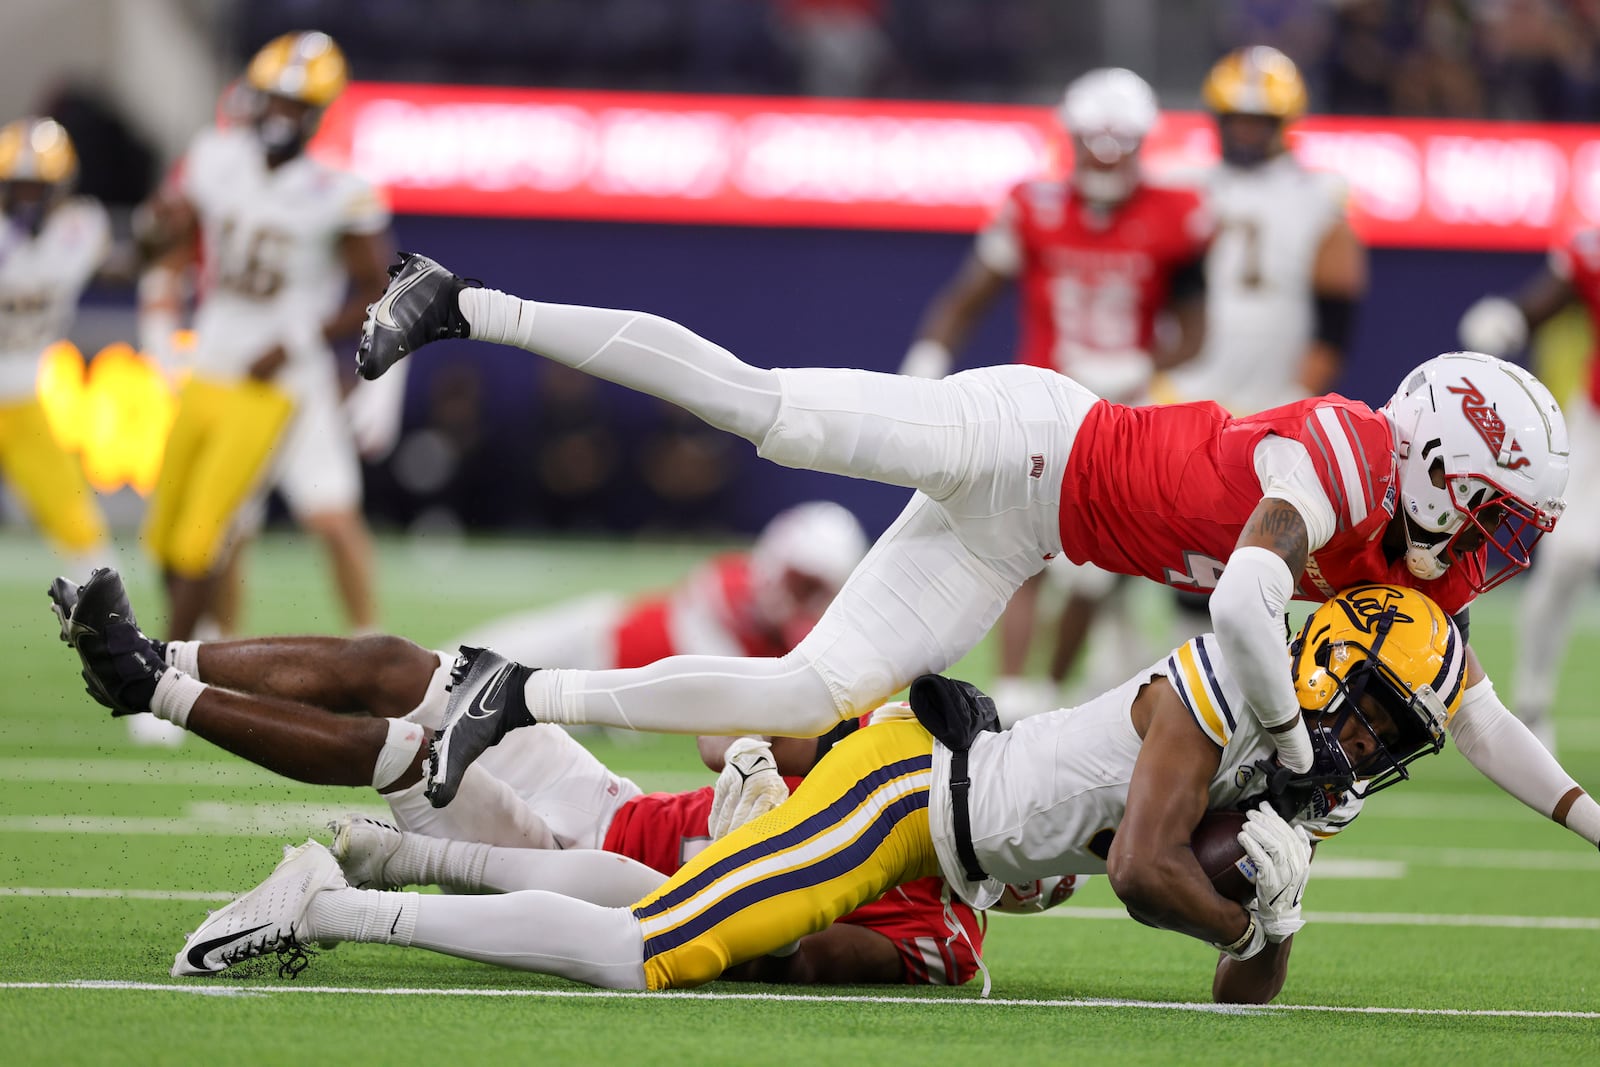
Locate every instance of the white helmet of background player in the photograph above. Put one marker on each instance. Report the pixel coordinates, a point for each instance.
(799, 562)
(1483, 458)
(1108, 113)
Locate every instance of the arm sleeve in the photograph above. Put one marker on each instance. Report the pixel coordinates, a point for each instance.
(1246, 612)
(1506, 752)
(1286, 473)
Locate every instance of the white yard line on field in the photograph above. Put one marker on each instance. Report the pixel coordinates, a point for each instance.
(113, 894)
(210, 988)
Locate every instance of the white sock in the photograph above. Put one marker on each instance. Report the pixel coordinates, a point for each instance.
(643, 352)
(361, 915)
(455, 865)
(185, 655)
(175, 695)
(542, 932)
(691, 695)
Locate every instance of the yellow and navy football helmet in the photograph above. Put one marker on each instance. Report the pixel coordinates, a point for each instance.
(1261, 83)
(1383, 644)
(307, 67)
(293, 79)
(38, 167)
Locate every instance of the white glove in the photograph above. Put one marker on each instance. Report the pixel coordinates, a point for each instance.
(1281, 855)
(926, 359)
(748, 787)
(1494, 325)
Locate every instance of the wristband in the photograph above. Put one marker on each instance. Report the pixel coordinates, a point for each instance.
(1252, 941)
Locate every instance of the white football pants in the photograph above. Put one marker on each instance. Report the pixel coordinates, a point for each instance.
(984, 451)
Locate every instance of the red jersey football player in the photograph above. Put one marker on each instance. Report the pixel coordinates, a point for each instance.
(1500, 325)
(755, 603)
(1011, 466)
(1098, 259)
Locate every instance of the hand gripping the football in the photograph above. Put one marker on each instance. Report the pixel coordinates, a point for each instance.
(748, 787)
(1281, 855)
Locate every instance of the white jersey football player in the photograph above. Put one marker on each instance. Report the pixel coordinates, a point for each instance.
(1116, 786)
(1286, 271)
(282, 237)
(51, 245)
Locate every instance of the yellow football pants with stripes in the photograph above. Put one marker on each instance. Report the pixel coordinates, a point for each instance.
(48, 480)
(222, 438)
(856, 827)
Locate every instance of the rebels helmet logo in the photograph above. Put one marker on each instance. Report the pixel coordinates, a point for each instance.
(1490, 426)
(1367, 608)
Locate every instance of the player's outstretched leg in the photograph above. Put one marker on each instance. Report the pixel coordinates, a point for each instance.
(913, 432)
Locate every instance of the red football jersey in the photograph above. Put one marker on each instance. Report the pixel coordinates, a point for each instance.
(1577, 259)
(1094, 279)
(715, 602)
(1164, 492)
(664, 830)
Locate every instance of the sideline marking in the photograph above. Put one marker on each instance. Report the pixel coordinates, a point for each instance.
(207, 988)
(113, 894)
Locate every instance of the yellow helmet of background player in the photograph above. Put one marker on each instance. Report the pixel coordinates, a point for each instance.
(307, 67)
(1256, 81)
(38, 166)
(37, 150)
(1371, 649)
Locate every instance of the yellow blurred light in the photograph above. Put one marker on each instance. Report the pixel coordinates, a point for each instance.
(115, 412)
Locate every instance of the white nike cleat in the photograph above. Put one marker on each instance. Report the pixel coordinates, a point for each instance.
(265, 920)
(363, 846)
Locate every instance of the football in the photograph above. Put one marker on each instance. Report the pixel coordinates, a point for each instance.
(1216, 846)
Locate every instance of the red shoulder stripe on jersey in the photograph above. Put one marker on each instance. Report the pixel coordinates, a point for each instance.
(1361, 455)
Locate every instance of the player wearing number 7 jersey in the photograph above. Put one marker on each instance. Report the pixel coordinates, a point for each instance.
(1012, 465)
(282, 237)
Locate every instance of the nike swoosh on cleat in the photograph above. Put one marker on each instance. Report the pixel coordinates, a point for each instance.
(381, 314)
(197, 955)
(491, 699)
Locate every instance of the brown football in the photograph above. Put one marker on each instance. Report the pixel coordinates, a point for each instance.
(1216, 846)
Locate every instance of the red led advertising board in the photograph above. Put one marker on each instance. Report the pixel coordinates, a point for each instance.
(770, 161)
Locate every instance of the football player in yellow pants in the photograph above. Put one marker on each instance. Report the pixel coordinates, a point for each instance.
(54, 244)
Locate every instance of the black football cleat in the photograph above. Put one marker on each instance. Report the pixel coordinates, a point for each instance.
(486, 702)
(418, 306)
(120, 664)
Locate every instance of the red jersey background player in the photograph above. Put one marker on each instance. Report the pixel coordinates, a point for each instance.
(1098, 259)
(756, 603)
(1501, 325)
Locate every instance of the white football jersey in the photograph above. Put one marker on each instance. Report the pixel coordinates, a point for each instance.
(41, 278)
(272, 272)
(1260, 308)
(1048, 794)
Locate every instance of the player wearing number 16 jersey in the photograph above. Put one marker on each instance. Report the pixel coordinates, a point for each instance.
(1013, 465)
(280, 234)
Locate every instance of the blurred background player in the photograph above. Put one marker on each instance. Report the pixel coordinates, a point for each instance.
(51, 244)
(1501, 326)
(282, 237)
(1110, 272)
(755, 603)
(1285, 273)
